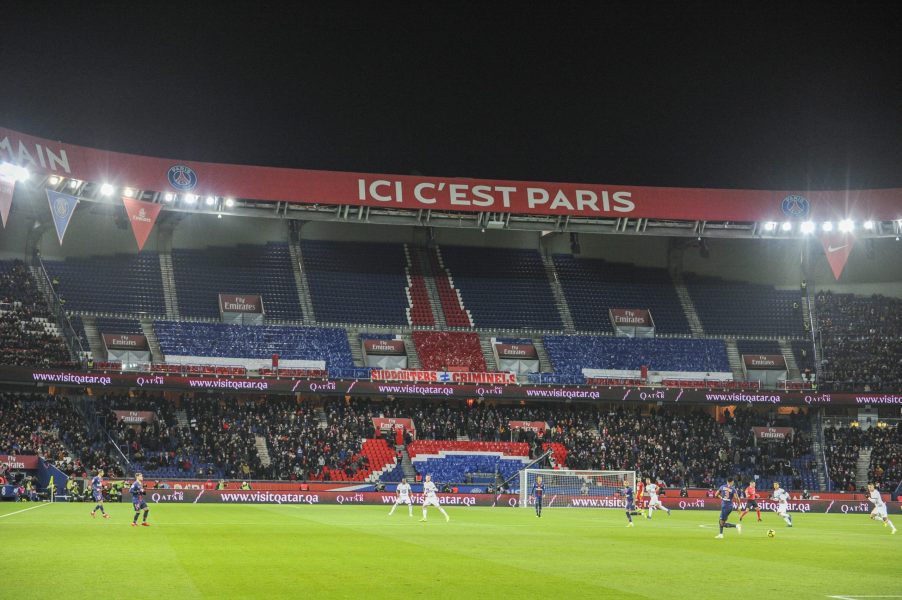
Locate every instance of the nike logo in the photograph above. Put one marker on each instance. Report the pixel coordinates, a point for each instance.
(836, 248)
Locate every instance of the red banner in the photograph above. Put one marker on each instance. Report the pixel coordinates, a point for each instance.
(135, 416)
(537, 426)
(123, 341)
(245, 303)
(442, 376)
(631, 317)
(442, 193)
(384, 347)
(142, 215)
(773, 433)
(27, 461)
(385, 424)
(7, 188)
(837, 247)
(516, 351)
(764, 362)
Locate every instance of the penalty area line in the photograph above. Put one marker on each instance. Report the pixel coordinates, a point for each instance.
(24, 510)
(856, 597)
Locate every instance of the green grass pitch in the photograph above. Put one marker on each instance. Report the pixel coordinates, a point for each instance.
(292, 551)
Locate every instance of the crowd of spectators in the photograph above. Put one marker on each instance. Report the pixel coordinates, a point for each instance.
(24, 340)
(861, 339)
(844, 444)
(51, 427)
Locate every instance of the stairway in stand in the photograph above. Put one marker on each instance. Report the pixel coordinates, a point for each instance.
(262, 450)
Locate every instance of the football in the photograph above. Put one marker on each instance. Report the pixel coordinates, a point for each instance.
(771, 533)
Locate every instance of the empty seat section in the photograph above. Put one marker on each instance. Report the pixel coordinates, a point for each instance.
(110, 325)
(442, 350)
(593, 286)
(502, 287)
(758, 347)
(202, 274)
(739, 308)
(357, 282)
(121, 283)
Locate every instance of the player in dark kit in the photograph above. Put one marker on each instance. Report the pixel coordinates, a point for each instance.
(137, 490)
(538, 490)
(727, 493)
(751, 501)
(627, 493)
(97, 494)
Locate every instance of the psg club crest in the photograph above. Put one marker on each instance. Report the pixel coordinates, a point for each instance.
(182, 178)
(796, 206)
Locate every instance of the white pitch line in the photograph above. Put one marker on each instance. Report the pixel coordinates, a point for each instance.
(23, 510)
(856, 597)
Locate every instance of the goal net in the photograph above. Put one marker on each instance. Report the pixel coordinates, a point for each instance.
(601, 489)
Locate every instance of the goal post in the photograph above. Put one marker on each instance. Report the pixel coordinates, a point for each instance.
(576, 488)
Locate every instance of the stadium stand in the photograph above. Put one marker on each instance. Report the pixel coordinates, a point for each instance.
(254, 342)
(200, 275)
(502, 288)
(843, 445)
(357, 282)
(861, 339)
(419, 312)
(468, 462)
(109, 325)
(120, 284)
(444, 350)
(449, 296)
(49, 426)
(27, 336)
(740, 308)
(758, 346)
(570, 354)
(803, 351)
(886, 457)
(593, 286)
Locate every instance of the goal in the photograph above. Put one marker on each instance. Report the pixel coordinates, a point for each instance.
(576, 488)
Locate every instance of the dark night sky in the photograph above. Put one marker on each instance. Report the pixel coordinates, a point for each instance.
(724, 95)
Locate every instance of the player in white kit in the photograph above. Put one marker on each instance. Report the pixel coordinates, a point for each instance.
(653, 501)
(879, 513)
(782, 498)
(403, 496)
(429, 498)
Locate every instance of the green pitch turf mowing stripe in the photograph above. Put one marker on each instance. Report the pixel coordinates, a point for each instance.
(291, 551)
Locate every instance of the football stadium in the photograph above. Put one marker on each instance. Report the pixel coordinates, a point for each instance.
(227, 380)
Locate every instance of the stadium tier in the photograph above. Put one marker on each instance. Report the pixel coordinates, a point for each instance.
(594, 286)
(448, 350)
(122, 283)
(194, 342)
(739, 308)
(357, 282)
(200, 275)
(571, 354)
(502, 288)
